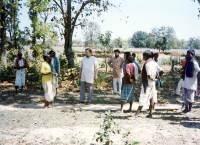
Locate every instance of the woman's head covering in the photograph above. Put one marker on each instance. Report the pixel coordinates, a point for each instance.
(191, 51)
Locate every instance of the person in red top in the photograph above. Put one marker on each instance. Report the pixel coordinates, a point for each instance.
(127, 95)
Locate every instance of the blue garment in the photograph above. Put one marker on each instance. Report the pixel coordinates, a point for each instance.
(137, 64)
(56, 65)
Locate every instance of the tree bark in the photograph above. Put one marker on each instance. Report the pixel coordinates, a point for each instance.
(3, 37)
(68, 37)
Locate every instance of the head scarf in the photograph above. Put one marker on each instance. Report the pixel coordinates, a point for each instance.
(189, 66)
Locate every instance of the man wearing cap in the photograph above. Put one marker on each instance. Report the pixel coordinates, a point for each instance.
(20, 64)
(191, 71)
(117, 64)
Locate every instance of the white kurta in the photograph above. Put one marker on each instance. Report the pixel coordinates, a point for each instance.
(191, 83)
(151, 68)
(20, 74)
(89, 66)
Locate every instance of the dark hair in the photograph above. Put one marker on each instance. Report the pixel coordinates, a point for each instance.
(90, 50)
(117, 50)
(152, 55)
(148, 53)
(127, 54)
(50, 52)
(19, 54)
(133, 54)
(130, 58)
(45, 56)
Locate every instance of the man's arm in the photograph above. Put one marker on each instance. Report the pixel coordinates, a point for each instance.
(96, 67)
(196, 66)
(81, 66)
(110, 63)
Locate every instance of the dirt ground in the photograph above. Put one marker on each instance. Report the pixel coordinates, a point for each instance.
(24, 121)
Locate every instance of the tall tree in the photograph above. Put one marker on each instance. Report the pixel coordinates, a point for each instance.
(3, 31)
(163, 37)
(35, 8)
(74, 13)
(105, 40)
(9, 12)
(139, 39)
(91, 32)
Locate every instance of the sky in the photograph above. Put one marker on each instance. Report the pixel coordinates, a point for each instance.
(143, 15)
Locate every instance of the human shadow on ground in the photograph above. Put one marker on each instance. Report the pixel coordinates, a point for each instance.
(189, 122)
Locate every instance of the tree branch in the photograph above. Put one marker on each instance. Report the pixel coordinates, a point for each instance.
(80, 10)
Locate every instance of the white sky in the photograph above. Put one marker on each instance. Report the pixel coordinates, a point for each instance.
(143, 16)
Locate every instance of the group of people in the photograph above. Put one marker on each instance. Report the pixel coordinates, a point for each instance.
(126, 73)
(50, 70)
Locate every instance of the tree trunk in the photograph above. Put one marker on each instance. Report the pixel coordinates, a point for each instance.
(3, 37)
(106, 60)
(68, 37)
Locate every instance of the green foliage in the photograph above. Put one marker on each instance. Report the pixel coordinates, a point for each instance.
(12, 54)
(100, 82)
(34, 76)
(108, 128)
(39, 50)
(163, 37)
(105, 39)
(91, 32)
(118, 42)
(139, 39)
(7, 73)
(194, 43)
(127, 141)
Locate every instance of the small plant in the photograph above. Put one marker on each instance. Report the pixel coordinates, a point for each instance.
(126, 140)
(100, 82)
(108, 129)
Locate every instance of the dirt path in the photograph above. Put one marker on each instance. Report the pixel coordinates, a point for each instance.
(77, 125)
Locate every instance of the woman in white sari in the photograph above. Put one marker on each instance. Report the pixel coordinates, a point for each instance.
(47, 80)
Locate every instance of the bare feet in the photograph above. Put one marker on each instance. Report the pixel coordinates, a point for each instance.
(88, 103)
(149, 116)
(133, 117)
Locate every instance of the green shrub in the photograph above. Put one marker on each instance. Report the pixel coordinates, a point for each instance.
(7, 73)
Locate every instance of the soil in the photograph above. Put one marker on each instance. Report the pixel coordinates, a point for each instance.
(24, 121)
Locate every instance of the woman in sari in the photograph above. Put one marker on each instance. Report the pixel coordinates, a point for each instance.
(47, 80)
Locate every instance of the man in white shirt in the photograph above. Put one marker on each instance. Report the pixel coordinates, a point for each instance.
(147, 94)
(88, 73)
(191, 71)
